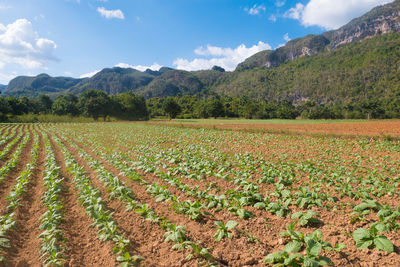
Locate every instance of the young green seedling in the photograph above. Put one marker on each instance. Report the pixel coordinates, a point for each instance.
(224, 230)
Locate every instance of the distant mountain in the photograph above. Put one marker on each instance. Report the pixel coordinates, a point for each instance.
(41, 84)
(2, 87)
(114, 81)
(181, 82)
(352, 63)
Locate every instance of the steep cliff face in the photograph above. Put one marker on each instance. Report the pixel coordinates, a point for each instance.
(306, 46)
(380, 20)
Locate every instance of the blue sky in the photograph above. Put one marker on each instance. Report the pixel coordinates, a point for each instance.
(76, 38)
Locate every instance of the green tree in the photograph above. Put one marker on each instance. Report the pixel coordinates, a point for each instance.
(132, 107)
(65, 105)
(95, 104)
(45, 103)
(171, 107)
(215, 108)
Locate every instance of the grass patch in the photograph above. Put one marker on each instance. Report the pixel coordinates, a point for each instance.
(31, 118)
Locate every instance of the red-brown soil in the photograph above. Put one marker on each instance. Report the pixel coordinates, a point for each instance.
(369, 128)
(25, 242)
(84, 248)
(360, 158)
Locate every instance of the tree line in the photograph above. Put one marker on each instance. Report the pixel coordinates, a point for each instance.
(216, 106)
(92, 103)
(129, 106)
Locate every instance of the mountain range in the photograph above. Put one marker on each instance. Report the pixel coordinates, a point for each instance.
(359, 60)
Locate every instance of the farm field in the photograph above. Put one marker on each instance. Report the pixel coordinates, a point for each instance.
(129, 194)
(380, 128)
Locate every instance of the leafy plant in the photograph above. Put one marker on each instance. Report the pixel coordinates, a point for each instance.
(224, 230)
(126, 260)
(370, 238)
(306, 218)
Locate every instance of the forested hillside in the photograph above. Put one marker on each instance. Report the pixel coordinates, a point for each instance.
(352, 71)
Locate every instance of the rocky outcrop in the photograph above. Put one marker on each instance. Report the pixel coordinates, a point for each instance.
(307, 46)
(380, 20)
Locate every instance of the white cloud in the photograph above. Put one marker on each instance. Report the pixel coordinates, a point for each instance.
(280, 3)
(109, 14)
(272, 18)
(155, 66)
(90, 74)
(295, 12)
(255, 10)
(5, 78)
(286, 37)
(20, 44)
(227, 58)
(331, 14)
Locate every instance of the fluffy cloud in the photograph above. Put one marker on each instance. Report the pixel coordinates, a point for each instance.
(280, 3)
(90, 74)
(331, 14)
(255, 10)
(109, 14)
(272, 18)
(5, 78)
(295, 12)
(286, 37)
(20, 44)
(228, 58)
(155, 66)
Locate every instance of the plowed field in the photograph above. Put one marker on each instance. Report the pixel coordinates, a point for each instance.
(132, 194)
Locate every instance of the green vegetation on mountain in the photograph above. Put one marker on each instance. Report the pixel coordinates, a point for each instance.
(114, 81)
(41, 84)
(355, 72)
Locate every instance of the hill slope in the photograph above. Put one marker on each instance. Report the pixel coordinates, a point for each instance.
(380, 20)
(352, 72)
(41, 84)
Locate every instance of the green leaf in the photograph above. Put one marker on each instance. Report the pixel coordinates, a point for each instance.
(361, 234)
(293, 247)
(231, 224)
(260, 205)
(297, 214)
(274, 257)
(313, 247)
(219, 235)
(308, 262)
(5, 243)
(382, 243)
(324, 261)
(380, 227)
(364, 244)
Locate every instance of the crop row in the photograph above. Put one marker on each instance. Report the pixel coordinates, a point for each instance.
(303, 185)
(8, 221)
